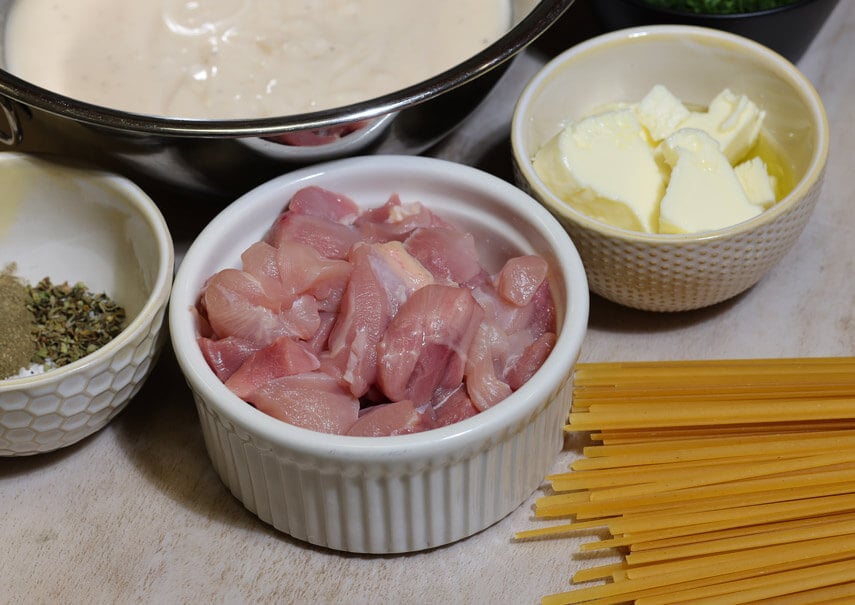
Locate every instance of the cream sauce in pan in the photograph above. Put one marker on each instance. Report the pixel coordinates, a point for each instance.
(213, 59)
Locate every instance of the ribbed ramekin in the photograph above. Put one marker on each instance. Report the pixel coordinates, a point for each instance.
(407, 492)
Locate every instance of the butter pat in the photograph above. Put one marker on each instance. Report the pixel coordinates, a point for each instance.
(758, 185)
(661, 113)
(704, 192)
(734, 121)
(604, 166)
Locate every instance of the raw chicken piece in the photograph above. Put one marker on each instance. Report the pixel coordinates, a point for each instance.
(236, 304)
(522, 369)
(484, 385)
(331, 239)
(259, 260)
(453, 407)
(399, 418)
(302, 270)
(520, 278)
(449, 254)
(383, 277)
(424, 347)
(284, 357)
(226, 355)
(312, 400)
(394, 221)
(324, 203)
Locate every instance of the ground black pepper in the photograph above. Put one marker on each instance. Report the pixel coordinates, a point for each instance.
(16, 325)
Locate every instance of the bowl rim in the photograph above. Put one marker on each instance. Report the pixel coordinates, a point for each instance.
(529, 28)
(721, 17)
(133, 197)
(781, 66)
(468, 434)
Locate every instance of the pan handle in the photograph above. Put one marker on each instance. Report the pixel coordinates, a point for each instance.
(10, 134)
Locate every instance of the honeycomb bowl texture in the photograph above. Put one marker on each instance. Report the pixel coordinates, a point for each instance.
(76, 225)
(677, 272)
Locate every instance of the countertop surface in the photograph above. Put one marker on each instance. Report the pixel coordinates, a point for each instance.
(136, 513)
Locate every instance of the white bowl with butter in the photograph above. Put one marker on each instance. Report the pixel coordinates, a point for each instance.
(690, 261)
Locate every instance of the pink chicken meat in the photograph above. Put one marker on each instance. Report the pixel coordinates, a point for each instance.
(373, 323)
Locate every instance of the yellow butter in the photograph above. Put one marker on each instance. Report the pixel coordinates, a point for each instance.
(704, 192)
(732, 120)
(604, 166)
(661, 113)
(758, 185)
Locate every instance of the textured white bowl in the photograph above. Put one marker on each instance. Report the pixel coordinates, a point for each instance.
(677, 272)
(401, 493)
(78, 225)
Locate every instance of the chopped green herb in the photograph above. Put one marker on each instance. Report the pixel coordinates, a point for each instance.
(720, 7)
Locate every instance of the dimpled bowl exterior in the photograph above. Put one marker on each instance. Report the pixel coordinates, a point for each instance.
(408, 492)
(105, 232)
(688, 271)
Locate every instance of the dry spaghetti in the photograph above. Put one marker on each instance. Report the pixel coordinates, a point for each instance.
(724, 481)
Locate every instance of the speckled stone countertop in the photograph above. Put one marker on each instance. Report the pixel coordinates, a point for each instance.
(136, 513)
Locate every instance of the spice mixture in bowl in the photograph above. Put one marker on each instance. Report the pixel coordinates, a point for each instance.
(86, 265)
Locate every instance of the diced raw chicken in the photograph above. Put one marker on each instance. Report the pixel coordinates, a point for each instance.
(331, 239)
(484, 385)
(524, 367)
(394, 221)
(312, 400)
(302, 270)
(317, 201)
(283, 357)
(388, 310)
(398, 418)
(226, 355)
(520, 278)
(449, 254)
(383, 277)
(453, 407)
(260, 261)
(318, 343)
(424, 347)
(236, 304)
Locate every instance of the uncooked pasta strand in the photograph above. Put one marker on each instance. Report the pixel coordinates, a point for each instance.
(736, 516)
(816, 445)
(827, 595)
(643, 542)
(728, 413)
(797, 534)
(761, 587)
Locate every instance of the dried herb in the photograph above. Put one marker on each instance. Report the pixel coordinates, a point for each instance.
(71, 322)
(16, 324)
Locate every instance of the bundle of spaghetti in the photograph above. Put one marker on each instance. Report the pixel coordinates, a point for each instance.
(723, 481)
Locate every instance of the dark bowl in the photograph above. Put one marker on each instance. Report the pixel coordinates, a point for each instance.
(788, 30)
(224, 158)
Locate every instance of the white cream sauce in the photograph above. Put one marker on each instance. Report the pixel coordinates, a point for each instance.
(242, 58)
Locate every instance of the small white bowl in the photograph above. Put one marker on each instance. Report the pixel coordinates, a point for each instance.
(78, 225)
(667, 272)
(407, 492)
